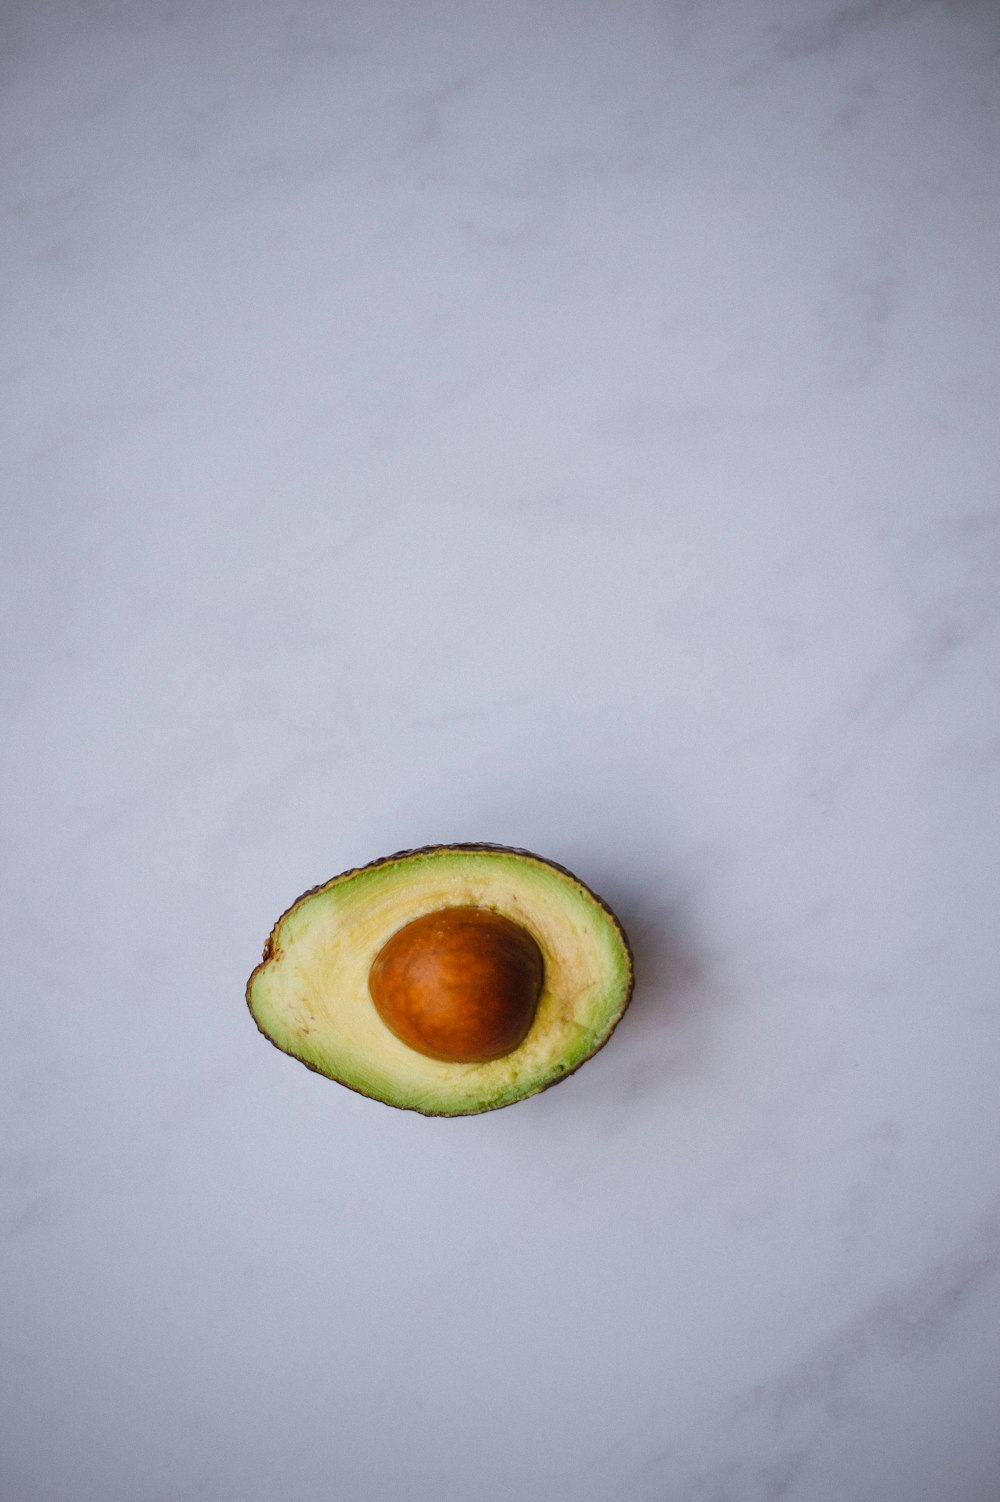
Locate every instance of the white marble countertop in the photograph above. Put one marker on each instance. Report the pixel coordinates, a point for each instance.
(572, 426)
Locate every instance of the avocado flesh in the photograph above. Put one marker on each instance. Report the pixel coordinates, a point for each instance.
(310, 995)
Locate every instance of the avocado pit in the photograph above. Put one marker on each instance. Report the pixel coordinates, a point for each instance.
(461, 984)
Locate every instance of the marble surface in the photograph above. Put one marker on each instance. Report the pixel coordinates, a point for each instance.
(573, 426)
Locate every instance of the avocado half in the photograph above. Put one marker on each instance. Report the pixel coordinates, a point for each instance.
(310, 993)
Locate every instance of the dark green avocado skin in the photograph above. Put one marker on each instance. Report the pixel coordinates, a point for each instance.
(400, 855)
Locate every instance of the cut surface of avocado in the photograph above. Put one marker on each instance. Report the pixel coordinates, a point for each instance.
(310, 995)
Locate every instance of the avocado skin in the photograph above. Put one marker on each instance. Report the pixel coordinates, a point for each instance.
(444, 849)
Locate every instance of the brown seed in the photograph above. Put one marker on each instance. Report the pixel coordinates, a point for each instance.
(461, 984)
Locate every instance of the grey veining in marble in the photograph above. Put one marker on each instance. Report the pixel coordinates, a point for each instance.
(573, 426)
